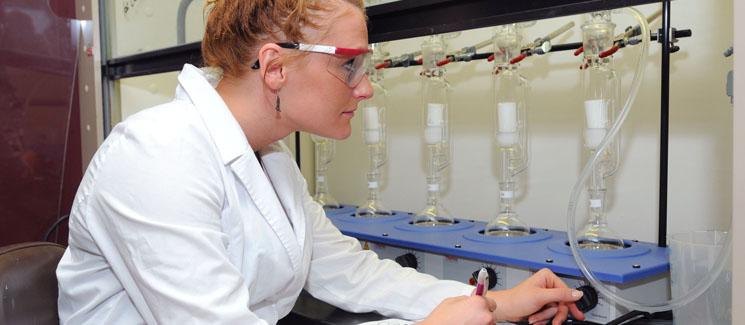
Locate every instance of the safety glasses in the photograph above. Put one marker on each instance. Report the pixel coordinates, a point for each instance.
(346, 64)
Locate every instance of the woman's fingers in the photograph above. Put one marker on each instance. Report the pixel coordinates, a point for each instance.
(561, 315)
(491, 304)
(576, 313)
(543, 315)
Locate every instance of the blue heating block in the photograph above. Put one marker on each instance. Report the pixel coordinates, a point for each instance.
(543, 248)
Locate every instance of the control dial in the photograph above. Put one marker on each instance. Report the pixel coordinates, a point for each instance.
(492, 277)
(589, 300)
(407, 260)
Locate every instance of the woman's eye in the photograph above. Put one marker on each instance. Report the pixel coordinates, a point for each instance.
(348, 65)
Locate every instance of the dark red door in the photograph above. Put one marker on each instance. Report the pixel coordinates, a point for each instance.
(39, 116)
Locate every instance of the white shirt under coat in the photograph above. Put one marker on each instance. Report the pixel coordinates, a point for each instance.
(176, 222)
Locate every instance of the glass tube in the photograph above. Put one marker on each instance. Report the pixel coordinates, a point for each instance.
(324, 150)
(374, 137)
(510, 90)
(601, 91)
(436, 134)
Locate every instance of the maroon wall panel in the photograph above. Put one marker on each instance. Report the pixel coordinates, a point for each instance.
(39, 116)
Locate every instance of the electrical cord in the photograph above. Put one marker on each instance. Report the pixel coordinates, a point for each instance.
(54, 226)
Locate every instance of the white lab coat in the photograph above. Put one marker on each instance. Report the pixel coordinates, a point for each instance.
(176, 222)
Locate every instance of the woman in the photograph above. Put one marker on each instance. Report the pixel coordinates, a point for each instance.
(194, 211)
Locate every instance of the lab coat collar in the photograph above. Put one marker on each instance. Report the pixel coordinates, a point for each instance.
(198, 86)
(279, 166)
(250, 173)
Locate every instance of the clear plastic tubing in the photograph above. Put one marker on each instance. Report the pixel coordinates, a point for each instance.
(702, 286)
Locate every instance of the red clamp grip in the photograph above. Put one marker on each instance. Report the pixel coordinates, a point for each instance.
(443, 62)
(579, 51)
(383, 65)
(608, 52)
(518, 58)
(490, 58)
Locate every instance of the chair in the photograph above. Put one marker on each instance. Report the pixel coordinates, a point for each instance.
(28, 283)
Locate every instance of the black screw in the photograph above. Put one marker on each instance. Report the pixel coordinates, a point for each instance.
(458, 246)
(385, 234)
(549, 260)
(636, 266)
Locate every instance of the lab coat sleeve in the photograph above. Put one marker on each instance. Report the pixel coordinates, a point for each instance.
(155, 211)
(344, 275)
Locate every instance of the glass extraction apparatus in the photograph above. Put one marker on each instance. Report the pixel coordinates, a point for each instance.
(374, 136)
(324, 151)
(436, 134)
(601, 91)
(510, 93)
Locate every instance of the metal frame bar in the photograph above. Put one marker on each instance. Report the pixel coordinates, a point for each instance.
(158, 61)
(664, 38)
(106, 84)
(412, 18)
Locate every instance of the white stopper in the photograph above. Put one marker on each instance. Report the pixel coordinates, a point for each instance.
(434, 131)
(507, 116)
(435, 114)
(373, 128)
(507, 139)
(433, 134)
(372, 117)
(374, 136)
(596, 113)
(593, 137)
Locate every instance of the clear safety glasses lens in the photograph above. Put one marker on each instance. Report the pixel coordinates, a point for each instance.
(349, 70)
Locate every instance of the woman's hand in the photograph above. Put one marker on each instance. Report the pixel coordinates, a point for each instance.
(466, 310)
(540, 298)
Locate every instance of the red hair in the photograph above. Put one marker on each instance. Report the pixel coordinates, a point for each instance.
(235, 27)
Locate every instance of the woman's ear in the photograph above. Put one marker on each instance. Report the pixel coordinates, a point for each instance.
(272, 67)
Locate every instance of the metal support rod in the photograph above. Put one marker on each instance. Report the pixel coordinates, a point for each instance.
(106, 83)
(683, 33)
(664, 122)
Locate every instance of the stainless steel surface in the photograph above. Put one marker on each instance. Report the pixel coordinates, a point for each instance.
(312, 310)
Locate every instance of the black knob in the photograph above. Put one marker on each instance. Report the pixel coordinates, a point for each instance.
(492, 277)
(589, 300)
(407, 260)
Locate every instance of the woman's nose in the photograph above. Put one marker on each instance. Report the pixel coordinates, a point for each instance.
(364, 89)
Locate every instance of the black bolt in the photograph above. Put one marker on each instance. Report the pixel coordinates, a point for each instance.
(636, 266)
(549, 260)
(385, 234)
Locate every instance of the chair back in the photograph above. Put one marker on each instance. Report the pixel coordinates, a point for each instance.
(28, 283)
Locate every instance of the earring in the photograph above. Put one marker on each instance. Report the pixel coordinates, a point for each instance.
(277, 106)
